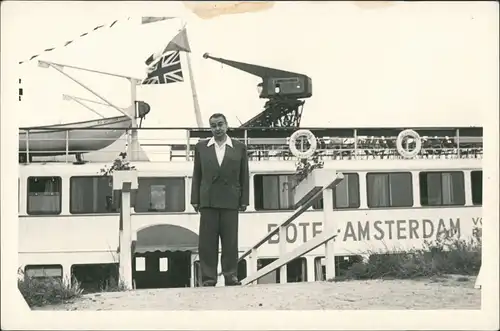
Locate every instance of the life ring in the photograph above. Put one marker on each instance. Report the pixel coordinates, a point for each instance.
(399, 143)
(310, 138)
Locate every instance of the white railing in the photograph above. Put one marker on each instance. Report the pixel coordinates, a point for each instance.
(285, 257)
(172, 144)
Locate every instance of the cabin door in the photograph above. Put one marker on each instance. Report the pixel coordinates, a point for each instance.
(165, 269)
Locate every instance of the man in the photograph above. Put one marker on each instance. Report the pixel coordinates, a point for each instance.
(220, 189)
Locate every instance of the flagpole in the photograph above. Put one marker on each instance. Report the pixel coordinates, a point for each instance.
(133, 147)
(196, 103)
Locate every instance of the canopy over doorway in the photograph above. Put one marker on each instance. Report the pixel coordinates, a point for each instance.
(165, 237)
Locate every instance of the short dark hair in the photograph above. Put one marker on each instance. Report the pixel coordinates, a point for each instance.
(218, 115)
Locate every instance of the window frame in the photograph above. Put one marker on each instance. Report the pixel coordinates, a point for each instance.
(319, 204)
(134, 269)
(135, 194)
(71, 183)
(368, 199)
(262, 208)
(159, 264)
(268, 260)
(40, 213)
(43, 266)
(427, 205)
(472, 187)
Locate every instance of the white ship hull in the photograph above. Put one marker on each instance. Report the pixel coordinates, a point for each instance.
(81, 229)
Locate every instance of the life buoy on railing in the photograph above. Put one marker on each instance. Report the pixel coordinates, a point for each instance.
(310, 138)
(399, 143)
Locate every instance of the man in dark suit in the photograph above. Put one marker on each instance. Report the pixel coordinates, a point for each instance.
(220, 189)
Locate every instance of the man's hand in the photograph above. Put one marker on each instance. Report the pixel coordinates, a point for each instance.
(196, 207)
(243, 207)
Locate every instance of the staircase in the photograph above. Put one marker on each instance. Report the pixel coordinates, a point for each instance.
(319, 183)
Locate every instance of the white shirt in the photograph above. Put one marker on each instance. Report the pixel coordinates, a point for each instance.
(220, 151)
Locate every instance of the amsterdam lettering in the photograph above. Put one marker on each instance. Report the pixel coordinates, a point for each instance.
(477, 221)
(377, 230)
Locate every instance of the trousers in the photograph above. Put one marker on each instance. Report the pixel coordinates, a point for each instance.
(218, 223)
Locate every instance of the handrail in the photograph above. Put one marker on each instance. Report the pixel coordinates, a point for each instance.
(252, 251)
(307, 246)
(342, 132)
(299, 211)
(287, 257)
(261, 144)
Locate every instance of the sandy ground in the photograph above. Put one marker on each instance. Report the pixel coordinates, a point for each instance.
(453, 292)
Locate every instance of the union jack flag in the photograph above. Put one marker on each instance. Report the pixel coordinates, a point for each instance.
(167, 70)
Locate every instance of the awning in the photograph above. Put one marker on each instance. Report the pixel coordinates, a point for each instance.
(165, 248)
(166, 237)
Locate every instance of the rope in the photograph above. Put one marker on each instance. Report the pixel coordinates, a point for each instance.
(144, 20)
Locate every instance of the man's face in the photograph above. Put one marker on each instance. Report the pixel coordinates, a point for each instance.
(218, 126)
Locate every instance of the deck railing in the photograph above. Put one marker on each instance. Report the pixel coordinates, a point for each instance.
(174, 144)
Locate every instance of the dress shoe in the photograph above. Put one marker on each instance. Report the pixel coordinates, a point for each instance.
(209, 283)
(232, 281)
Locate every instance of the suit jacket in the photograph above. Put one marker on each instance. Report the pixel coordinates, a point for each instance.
(225, 186)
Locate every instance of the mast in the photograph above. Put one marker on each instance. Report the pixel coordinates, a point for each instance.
(196, 104)
(134, 145)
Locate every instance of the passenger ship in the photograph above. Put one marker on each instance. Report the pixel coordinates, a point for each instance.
(68, 223)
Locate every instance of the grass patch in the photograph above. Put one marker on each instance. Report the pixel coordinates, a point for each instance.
(113, 285)
(42, 291)
(447, 255)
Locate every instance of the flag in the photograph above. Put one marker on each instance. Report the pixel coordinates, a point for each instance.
(152, 19)
(167, 70)
(178, 43)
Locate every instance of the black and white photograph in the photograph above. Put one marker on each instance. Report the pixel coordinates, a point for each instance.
(297, 164)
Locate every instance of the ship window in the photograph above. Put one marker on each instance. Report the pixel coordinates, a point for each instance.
(242, 270)
(476, 179)
(346, 194)
(274, 192)
(91, 194)
(43, 271)
(157, 194)
(93, 278)
(389, 190)
(442, 188)
(163, 264)
(140, 263)
(342, 264)
(296, 271)
(44, 195)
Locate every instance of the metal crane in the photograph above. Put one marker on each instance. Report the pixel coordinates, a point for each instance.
(283, 89)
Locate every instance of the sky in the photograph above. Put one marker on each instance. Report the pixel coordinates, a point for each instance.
(407, 65)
